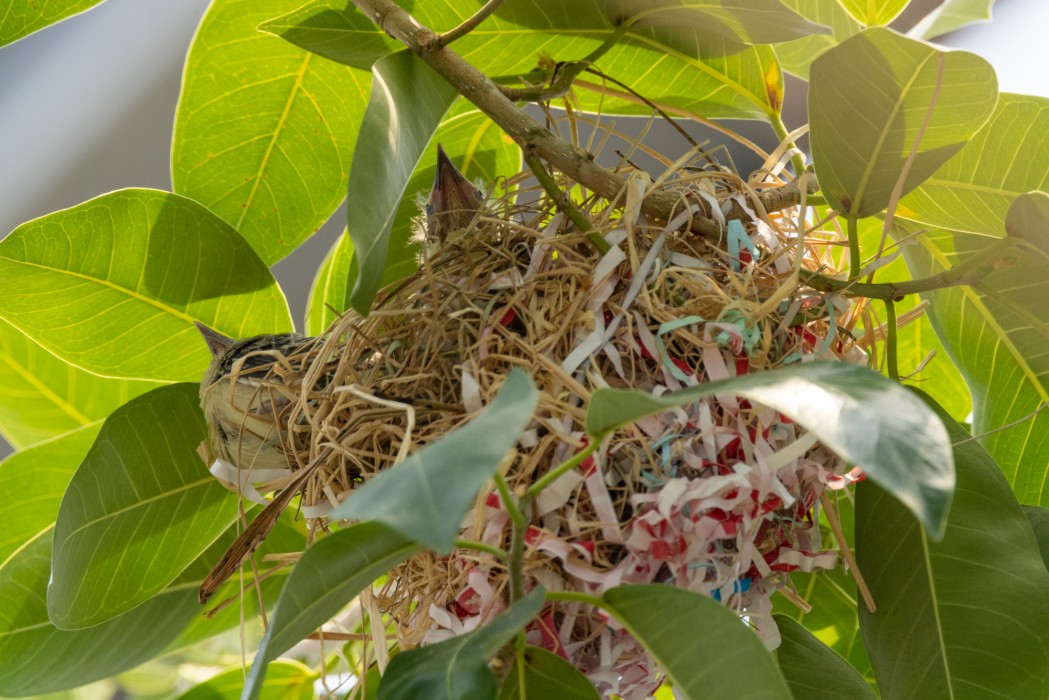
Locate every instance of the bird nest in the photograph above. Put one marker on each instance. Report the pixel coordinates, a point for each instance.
(718, 496)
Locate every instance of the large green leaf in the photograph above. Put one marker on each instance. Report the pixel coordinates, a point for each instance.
(407, 105)
(39, 658)
(114, 285)
(41, 396)
(797, 56)
(704, 647)
(996, 333)
(952, 15)
(137, 512)
(264, 131)
(961, 617)
(812, 669)
(974, 189)
(327, 577)
(457, 669)
(19, 19)
(328, 293)
(670, 62)
(878, 96)
(873, 13)
(544, 674)
(1039, 519)
(426, 496)
(864, 417)
(35, 480)
(288, 680)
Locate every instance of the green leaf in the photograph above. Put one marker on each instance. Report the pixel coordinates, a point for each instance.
(41, 396)
(1039, 520)
(137, 512)
(327, 577)
(458, 668)
(813, 671)
(797, 56)
(39, 476)
(870, 99)
(951, 16)
(545, 675)
(287, 680)
(264, 131)
(957, 618)
(38, 658)
(700, 72)
(995, 333)
(426, 496)
(1028, 219)
(408, 103)
(328, 294)
(114, 285)
(706, 650)
(873, 13)
(20, 19)
(862, 416)
(974, 189)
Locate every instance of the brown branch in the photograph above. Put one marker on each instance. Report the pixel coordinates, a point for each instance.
(470, 24)
(528, 133)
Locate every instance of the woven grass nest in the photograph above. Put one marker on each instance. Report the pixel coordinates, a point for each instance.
(717, 496)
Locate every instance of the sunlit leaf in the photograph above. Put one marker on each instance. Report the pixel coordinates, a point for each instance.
(328, 294)
(952, 15)
(955, 617)
(702, 72)
(974, 189)
(813, 671)
(874, 13)
(796, 56)
(137, 512)
(327, 577)
(875, 98)
(458, 667)
(544, 674)
(41, 396)
(703, 646)
(264, 131)
(39, 476)
(406, 106)
(1028, 220)
(20, 19)
(114, 285)
(859, 414)
(996, 333)
(426, 496)
(286, 680)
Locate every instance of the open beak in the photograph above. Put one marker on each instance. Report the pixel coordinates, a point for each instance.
(453, 200)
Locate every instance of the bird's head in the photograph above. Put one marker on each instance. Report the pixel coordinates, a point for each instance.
(453, 201)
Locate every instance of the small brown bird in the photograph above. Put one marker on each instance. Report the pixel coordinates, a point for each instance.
(243, 413)
(452, 205)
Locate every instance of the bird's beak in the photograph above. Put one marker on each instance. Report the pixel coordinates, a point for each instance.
(217, 343)
(453, 200)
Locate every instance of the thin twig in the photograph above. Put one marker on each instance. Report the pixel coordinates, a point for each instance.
(846, 553)
(469, 25)
(564, 201)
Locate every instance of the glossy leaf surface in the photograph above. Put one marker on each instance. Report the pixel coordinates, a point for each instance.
(544, 674)
(955, 617)
(879, 96)
(137, 512)
(666, 619)
(859, 414)
(114, 285)
(264, 131)
(812, 669)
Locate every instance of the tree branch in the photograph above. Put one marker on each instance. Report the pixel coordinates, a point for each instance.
(470, 24)
(528, 133)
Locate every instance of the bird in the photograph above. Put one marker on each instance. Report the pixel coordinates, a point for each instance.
(243, 411)
(451, 206)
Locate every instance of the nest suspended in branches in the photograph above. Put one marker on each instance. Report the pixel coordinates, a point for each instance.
(717, 496)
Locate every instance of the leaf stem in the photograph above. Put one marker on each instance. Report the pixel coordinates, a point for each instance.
(482, 547)
(563, 200)
(469, 25)
(568, 465)
(855, 261)
(515, 509)
(797, 160)
(890, 340)
(564, 74)
(575, 597)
